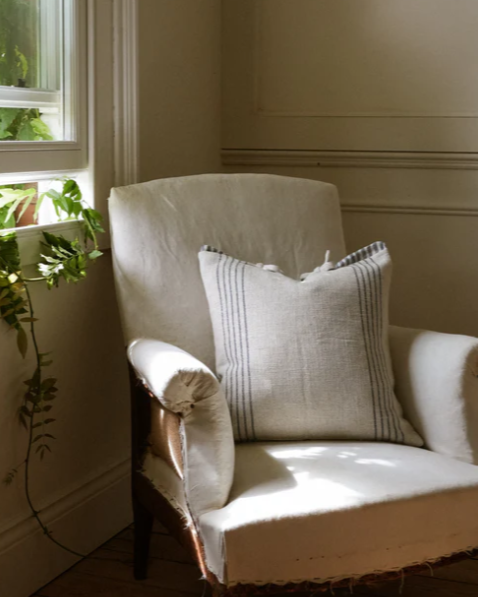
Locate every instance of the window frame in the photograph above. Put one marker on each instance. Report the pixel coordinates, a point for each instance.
(110, 116)
(70, 154)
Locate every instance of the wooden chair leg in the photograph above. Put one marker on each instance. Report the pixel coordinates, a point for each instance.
(143, 525)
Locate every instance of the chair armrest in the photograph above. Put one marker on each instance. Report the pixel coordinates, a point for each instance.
(187, 387)
(437, 385)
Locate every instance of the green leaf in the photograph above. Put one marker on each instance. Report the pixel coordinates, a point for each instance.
(25, 131)
(10, 476)
(22, 62)
(29, 397)
(37, 207)
(48, 383)
(9, 253)
(7, 116)
(41, 130)
(24, 410)
(95, 254)
(92, 219)
(45, 447)
(53, 194)
(9, 195)
(23, 421)
(66, 259)
(26, 203)
(22, 341)
(13, 207)
(70, 187)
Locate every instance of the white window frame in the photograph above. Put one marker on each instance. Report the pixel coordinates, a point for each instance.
(54, 156)
(109, 120)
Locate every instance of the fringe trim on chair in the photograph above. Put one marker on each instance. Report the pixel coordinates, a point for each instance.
(344, 585)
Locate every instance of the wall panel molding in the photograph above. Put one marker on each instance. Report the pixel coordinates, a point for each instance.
(417, 211)
(370, 78)
(459, 200)
(266, 19)
(351, 159)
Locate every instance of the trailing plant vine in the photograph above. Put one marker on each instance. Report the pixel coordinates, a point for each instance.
(60, 259)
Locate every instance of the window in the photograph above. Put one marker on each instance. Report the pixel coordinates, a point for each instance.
(42, 88)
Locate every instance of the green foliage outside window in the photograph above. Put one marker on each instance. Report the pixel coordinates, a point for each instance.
(19, 62)
(23, 124)
(19, 25)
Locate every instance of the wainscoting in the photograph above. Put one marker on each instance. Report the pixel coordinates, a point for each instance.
(83, 518)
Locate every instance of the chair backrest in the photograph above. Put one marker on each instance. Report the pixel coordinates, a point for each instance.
(158, 228)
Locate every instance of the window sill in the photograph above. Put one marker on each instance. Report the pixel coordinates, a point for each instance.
(30, 237)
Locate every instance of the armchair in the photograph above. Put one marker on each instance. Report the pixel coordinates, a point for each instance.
(270, 516)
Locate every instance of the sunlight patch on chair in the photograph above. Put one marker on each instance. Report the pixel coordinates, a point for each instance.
(298, 452)
(309, 495)
(378, 461)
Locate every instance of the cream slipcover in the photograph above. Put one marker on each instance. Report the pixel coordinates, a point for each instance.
(187, 387)
(437, 382)
(291, 500)
(330, 510)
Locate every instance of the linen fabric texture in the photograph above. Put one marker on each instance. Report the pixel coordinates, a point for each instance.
(437, 385)
(158, 226)
(188, 388)
(306, 359)
(325, 511)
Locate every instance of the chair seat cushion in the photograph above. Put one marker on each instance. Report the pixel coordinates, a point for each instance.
(322, 511)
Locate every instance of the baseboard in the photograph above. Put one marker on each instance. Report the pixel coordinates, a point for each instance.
(83, 520)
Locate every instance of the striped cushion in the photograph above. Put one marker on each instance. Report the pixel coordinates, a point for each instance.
(306, 359)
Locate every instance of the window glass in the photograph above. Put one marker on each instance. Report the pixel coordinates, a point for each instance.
(19, 51)
(36, 46)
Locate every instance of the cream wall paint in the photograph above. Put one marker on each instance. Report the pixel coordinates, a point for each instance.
(368, 75)
(80, 324)
(83, 485)
(180, 88)
(307, 82)
(435, 280)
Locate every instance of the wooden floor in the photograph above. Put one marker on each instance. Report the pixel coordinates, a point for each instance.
(108, 572)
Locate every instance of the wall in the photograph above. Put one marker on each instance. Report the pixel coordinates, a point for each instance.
(89, 462)
(377, 98)
(82, 488)
(180, 63)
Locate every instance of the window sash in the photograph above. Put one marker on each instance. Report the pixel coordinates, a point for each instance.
(21, 97)
(70, 153)
(51, 43)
